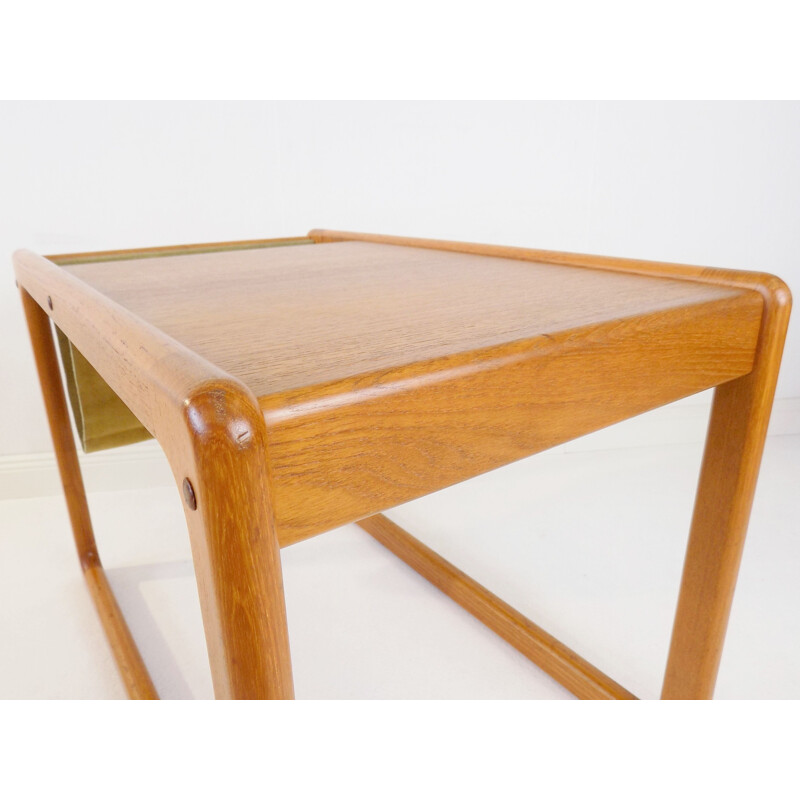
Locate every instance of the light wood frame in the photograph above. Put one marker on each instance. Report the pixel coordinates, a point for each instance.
(213, 432)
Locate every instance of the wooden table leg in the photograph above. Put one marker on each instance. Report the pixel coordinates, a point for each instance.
(220, 460)
(735, 442)
(129, 661)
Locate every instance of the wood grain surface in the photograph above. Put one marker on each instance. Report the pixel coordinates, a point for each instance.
(375, 442)
(297, 389)
(294, 318)
(388, 372)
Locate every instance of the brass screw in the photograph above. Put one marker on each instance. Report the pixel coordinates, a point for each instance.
(188, 494)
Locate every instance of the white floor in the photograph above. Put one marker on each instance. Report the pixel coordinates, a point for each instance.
(589, 544)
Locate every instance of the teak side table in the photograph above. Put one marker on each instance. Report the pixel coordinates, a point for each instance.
(297, 388)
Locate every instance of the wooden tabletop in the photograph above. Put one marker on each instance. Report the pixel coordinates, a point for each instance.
(283, 319)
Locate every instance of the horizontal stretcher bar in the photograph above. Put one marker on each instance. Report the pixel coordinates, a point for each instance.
(564, 665)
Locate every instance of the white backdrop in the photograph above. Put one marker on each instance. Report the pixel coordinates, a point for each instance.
(716, 184)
